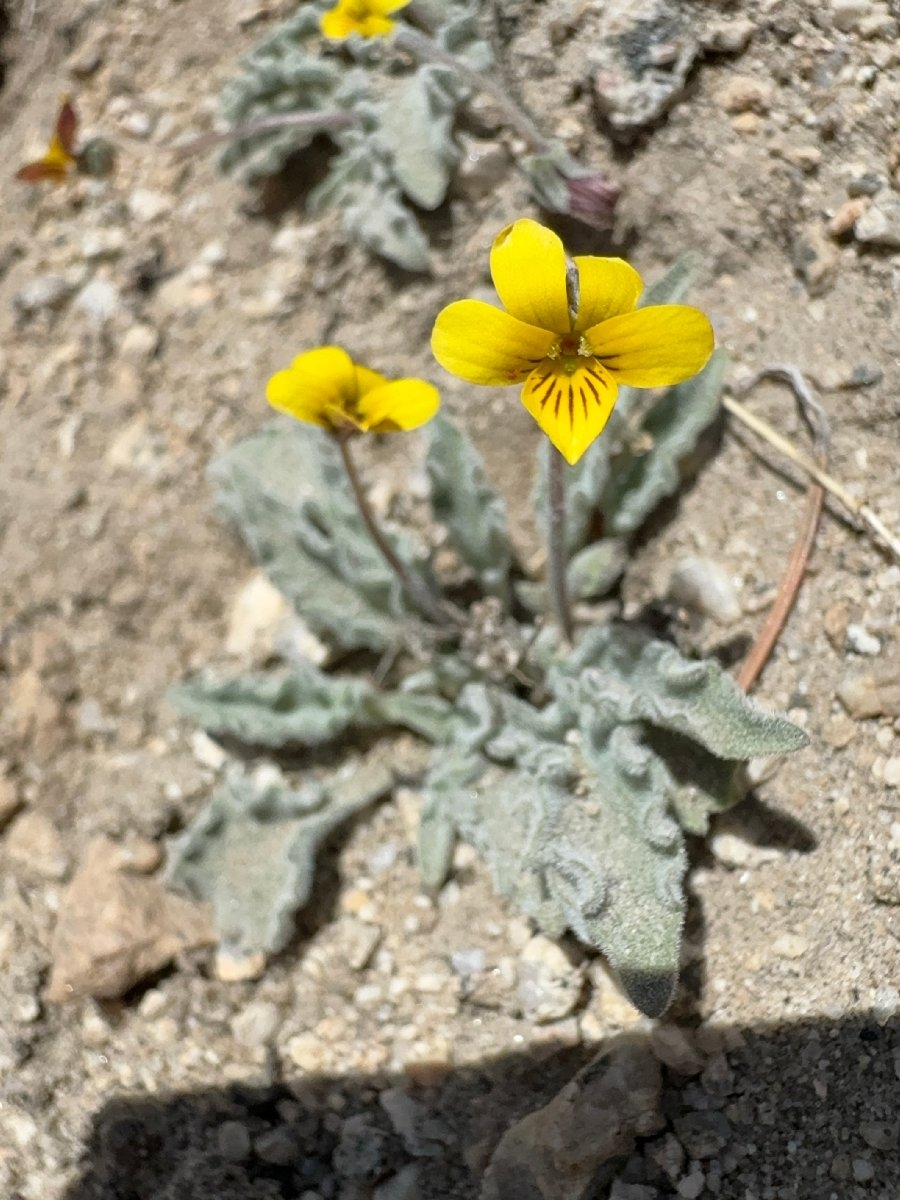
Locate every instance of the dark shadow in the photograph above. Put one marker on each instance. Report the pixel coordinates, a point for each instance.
(806, 1111)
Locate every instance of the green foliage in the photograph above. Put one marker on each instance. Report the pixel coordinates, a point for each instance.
(576, 773)
(576, 807)
(469, 508)
(398, 145)
(285, 490)
(672, 427)
(251, 852)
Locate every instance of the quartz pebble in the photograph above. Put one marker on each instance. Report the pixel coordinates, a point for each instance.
(550, 985)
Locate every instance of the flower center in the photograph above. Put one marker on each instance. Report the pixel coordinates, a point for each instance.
(570, 352)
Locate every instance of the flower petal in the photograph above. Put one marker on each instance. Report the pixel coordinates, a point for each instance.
(367, 379)
(483, 344)
(528, 266)
(389, 6)
(315, 384)
(655, 346)
(401, 404)
(571, 409)
(606, 288)
(337, 24)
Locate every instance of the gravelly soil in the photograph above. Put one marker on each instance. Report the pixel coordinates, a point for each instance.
(117, 579)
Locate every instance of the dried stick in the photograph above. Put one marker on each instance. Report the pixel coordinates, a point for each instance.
(791, 581)
(859, 508)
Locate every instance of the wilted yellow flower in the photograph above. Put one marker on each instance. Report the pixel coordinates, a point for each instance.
(571, 365)
(326, 387)
(59, 159)
(368, 18)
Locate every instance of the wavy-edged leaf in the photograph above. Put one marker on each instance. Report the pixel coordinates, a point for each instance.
(631, 677)
(252, 850)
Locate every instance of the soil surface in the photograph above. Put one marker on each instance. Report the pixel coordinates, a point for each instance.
(140, 318)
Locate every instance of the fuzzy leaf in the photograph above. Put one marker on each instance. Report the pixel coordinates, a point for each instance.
(701, 785)
(596, 569)
(285, 490)
(361, 185)
(674, 424)
(675, 284)
(602, 858)
(417, 125)
(252, 850)
(591, 575)
(464, 502)
(630, 677)
(304, 708)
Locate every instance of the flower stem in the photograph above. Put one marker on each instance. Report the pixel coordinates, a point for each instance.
(558, 559)
(319, 122)
(416, 589)
(424, 47)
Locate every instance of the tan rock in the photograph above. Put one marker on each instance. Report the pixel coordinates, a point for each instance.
(556, 1152)
(35, 845)
(116, 927)
(743, 93)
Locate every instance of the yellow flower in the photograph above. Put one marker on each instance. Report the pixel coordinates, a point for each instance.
(368, 18)
(325, 387)
(571, 365)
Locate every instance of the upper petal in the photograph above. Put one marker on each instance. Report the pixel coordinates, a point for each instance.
(571, 409)
(528, 266)
(483, 344)
(401, 404)
(606, 288)
(316, 383)
(367, 379)
(336, 23)
(655, 346)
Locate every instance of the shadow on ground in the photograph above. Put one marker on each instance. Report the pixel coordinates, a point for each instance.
(806, 1112)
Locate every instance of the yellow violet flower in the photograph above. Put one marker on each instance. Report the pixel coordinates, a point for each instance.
(326, 387)
(571, 365)
(368, 18)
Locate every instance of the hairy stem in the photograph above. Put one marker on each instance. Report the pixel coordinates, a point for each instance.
(424, 47)
(321, 122)
(556, 549)
(416, 589)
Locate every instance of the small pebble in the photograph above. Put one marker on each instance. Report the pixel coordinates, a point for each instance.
(550, 985)
(256, 1025)
(233, 1139)
(790, 945)
(860, 641)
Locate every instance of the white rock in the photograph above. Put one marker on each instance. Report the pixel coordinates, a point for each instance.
(860, 641)
(139, 344)
(846, 14)
(550, 985)
(146, 205)
(257, 1023)
(733, 851)
(879, 225)
(257, 611)
(704, 586)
